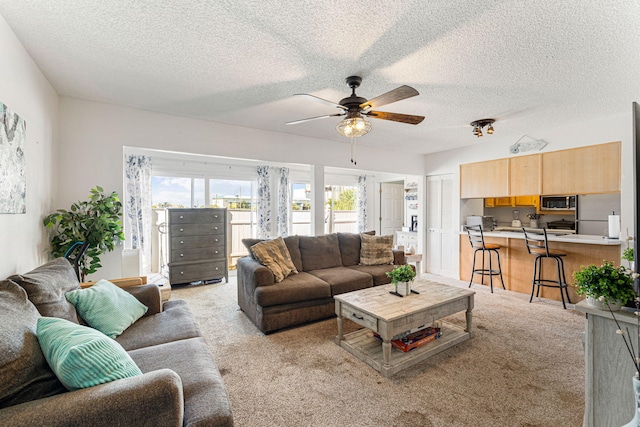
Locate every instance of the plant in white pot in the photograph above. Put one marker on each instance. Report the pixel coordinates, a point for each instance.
(606, 287)
(402, 276)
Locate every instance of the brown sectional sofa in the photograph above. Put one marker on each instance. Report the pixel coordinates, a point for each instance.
(327, 265)
(180, 385)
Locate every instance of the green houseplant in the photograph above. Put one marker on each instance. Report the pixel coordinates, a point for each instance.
(402, 274)
(607, 284)
(95, 221)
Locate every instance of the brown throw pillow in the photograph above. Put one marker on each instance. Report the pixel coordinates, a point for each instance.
(274, 255)
(376, 250)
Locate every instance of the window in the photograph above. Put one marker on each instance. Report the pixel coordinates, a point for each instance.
(300, 209)
(340, 209)
(177, 192)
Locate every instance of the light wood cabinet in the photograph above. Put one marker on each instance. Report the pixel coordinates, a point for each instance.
(484, 179)
(585, 170)
(525, 175)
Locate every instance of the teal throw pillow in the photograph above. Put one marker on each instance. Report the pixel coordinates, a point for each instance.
(81, 356)
(106, 307)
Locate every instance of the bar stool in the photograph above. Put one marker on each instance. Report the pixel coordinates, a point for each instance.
(476, 238)
(538, 245)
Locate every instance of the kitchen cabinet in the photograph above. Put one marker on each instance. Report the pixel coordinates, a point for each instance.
(525, 175)
(585, 170)
(497, 202)
(484, 179)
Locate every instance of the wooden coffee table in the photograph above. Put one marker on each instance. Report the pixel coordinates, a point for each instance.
(389, 315)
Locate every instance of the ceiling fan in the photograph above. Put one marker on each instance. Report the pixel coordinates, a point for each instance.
(356, 108)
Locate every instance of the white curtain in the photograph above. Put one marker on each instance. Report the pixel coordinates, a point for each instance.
(263, 203)
(361, 203)
(284, 202)
(138, 206)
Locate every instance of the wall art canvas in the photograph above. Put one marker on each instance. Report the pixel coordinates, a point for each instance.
(13, 179)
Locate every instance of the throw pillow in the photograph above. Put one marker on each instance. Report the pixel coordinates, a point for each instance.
(82, 357)
(106, 307)
(24, 372)
(376, 250)
(47, 285)
(274, 255)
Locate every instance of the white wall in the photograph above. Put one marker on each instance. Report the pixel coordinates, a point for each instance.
(25, 91)
(92, 137)
(609, 129)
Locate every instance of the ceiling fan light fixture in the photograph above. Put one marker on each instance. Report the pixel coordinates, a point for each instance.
(353, 127)
(479, 124)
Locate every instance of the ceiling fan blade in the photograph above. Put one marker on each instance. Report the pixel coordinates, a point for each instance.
(295, 122)
(397, 94)
(320, 100)
(395, 117)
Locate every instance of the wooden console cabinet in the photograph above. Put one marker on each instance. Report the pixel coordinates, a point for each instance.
(197, 245)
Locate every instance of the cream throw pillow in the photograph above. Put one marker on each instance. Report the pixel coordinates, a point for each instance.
(274, 255)
(376, 250)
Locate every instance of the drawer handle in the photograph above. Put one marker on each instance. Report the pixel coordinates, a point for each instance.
(181, 254)
(182, 229)
(217, 268)
(181, 242)
(358, 317)
(181, 217)
(215, 240)
(215, 228)
(215, 252)
(182, 272)
(215, 216)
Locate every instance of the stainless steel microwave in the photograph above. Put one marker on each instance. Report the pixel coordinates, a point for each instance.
(560, 203)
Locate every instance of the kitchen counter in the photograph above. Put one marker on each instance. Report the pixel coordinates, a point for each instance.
(565, 238)
(517, 263)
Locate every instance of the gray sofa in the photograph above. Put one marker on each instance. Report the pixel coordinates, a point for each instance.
(327, 265)
(180, 385)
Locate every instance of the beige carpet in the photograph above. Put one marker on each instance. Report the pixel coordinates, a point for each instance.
(524, 367)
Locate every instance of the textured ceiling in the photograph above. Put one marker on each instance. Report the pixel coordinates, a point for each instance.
(531, 65)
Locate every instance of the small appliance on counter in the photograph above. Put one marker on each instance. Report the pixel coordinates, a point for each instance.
(516, 219)
(486, 222)
(562, 224)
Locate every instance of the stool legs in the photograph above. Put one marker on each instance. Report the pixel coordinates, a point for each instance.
(487, 272)
(538, 281)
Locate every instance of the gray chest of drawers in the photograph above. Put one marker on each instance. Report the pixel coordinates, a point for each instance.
(197, 245)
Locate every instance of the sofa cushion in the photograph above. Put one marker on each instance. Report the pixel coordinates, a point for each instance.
(320, 252)
(206, 401)
(376, 250)
(46, 287)
(293, 245)
(24, 372)
(175, 322)
(378, 272)
(82, 357)
(274, 255)
(350, 247)
(343, 279)
(295, 288)
(106, 307)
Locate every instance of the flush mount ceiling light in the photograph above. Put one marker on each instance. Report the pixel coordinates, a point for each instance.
(479, 124)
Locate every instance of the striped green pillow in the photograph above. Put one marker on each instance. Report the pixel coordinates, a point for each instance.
(80, 356)
(106, 307)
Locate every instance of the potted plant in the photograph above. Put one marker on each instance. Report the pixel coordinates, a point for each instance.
(628, 256)
(606, 287)
(95, 221)
(402, 276)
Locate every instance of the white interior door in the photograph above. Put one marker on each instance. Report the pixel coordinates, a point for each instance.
(391, 208)
(441, 228)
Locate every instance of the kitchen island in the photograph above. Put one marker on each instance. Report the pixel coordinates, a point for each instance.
(517, 263)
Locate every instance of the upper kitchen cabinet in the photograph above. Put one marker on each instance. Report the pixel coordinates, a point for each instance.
(524, 176)
(584, 170)
(484, 179)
